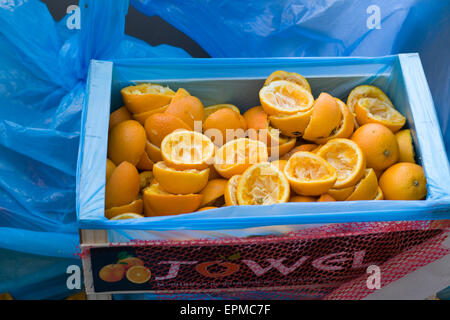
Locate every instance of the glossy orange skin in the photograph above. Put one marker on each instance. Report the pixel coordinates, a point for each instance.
(126, 142)
(378, 144)
(225, 121)
(120, 115)
(326, 117)
(189, 109)
(404, 181)
(213, 190)
(123, 186)
(159, 125)
(160, 203)
(325, 198)
(110, 167)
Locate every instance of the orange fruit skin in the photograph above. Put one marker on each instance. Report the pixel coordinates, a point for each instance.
(136, 206)
(286, 89)
(112, 272)
(145, 101)
(380, 195)
(256, 118)
(153, 152)
(326, 117)
(213, 108)
(317, 149)
(145, 163)
(378, 173)
(309, 187)
(346, 127)
(160, 203)
(341, 194)
(189, 109)
(213, 174)
(223, 120)
(126, 142)
(128, 215)
(258, 152)
(213, 190)
(230, 190)
(178, 141)
(159, 125)
(302, 199)
(367, 187)
(181, 93)
(405, 145)
(366, 91)
(258, 127)
(280, 164)
(250, 182)
(363, 117)
(278, 150)
(120, 115)
(325, 198)
(307, 147)
(334, 151)
(288, 76)
(243, 122)
(292, 125)
(123, 186)
(178, 181)
(378, 144)
(148, 211)
(141, 117)
(206, 208)
(303, 147)
(404, 181)
(110, 167)
(145, 177)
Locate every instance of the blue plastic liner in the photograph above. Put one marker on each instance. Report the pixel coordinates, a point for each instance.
(43, 71)
(298, 28)
(238, 81)
(28, 276)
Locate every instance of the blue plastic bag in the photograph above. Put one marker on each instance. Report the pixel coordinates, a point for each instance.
(28, 276)
(42, 88)
(43, 70)
(267, 28)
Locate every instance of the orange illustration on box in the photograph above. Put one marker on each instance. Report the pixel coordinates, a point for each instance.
(127, 266)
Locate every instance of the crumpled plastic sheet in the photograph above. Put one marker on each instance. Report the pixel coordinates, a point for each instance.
(43, 70)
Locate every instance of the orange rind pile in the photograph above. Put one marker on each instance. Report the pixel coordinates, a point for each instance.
(168, 154)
